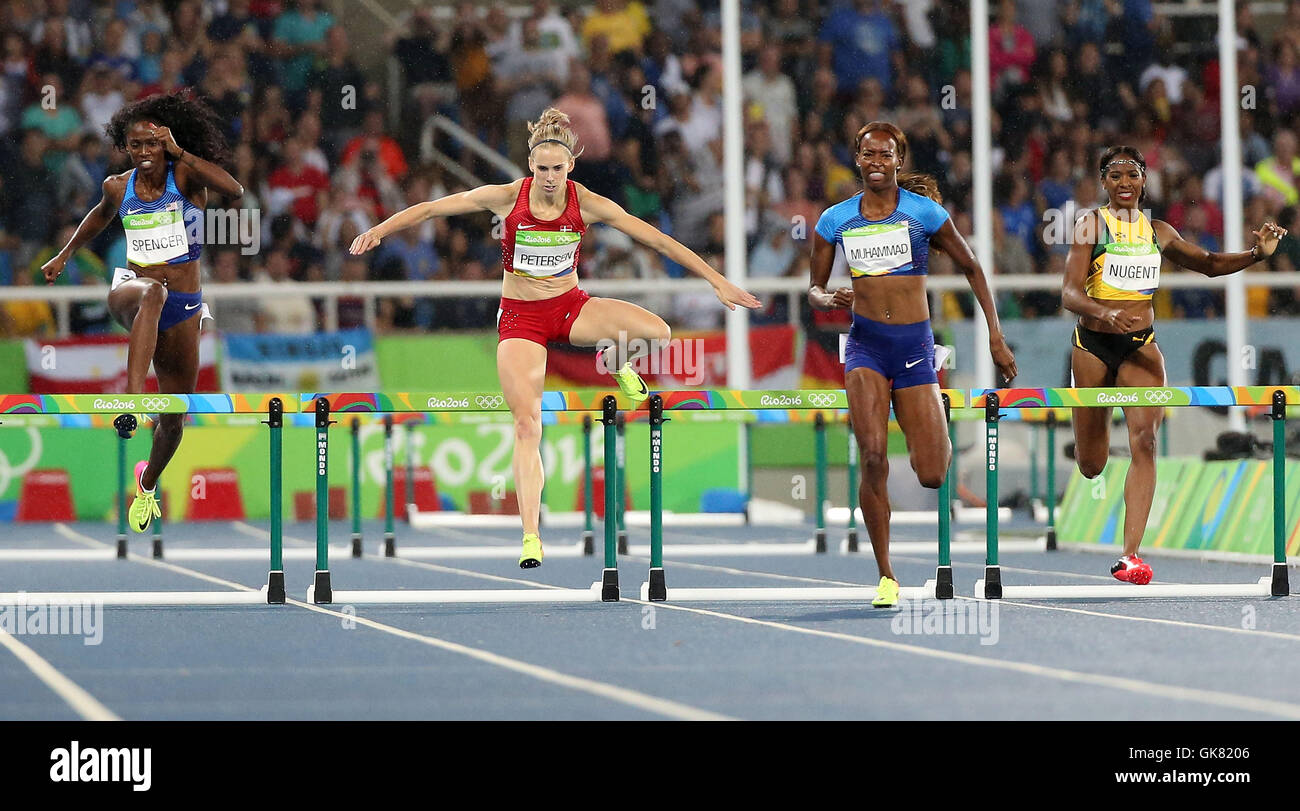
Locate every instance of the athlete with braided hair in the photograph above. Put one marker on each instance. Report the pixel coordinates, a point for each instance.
(1111, 274)
(175, 146)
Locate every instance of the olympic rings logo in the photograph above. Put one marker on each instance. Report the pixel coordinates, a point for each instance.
(488, 402)
(1159, 397)
(155, 403)
(822, 399)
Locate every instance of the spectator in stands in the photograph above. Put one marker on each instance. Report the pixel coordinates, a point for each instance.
(1278, 173)
(373, 140)
(59, 122)
(623, 24)
(26, 318)
(298, 40)
(339, 81)
(233, 315)
(297, 186)
(857, 40)
(283, 315)
(589, 122)
(31, 202)
(170, 74)
(774, 94)
(100, 98)
(1011, 49)
(82, 174)
(528, 77)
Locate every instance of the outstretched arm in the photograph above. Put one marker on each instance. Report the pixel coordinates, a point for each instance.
(1195, 258)
(948, 240)
(96, 220)
(483, 198)
(601, 209)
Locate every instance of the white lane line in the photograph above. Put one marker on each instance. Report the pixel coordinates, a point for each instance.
(264, 535)
(622, 695)
(1157, 620)
(1050, 572)
(1191, 694)
(81, 702)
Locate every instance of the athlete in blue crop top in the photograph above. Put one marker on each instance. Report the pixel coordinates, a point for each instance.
(160, 203)
(882, 236)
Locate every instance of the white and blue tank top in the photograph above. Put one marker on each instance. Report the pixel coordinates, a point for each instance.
(898, 245)
(166, 231)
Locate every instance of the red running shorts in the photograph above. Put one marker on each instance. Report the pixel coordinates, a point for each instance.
(540, 321)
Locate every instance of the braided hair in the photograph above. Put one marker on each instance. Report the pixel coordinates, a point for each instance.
(192, 122)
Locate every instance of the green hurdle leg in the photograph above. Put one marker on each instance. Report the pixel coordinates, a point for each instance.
(121, 497)
(620, 480)
(851, 541)
(1051, 480)
(749, 470)
(819, 431)
(992, 573)
(410, 471)
(1164, 434)
(157, 550)
(609, 577)
(943, 588)
(1281, 585)
(390, 538)
(658, 587)
(322, 591)
(588, 536)
(356, 487)
(275, 579)
(1033, 467)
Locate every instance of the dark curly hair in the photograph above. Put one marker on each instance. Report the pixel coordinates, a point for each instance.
(193, 124)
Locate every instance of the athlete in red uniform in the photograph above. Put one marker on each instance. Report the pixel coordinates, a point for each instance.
(545, 216)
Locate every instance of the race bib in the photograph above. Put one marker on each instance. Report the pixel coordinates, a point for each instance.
(541, 254)
(1131, 266)
(874, 250)
(157, 237)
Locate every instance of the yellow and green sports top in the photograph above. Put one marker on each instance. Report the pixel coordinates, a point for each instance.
(1125, 261)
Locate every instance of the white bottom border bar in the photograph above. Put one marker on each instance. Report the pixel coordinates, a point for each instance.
(954, 547)
(699, 550)
(123, 598)
(790, 595)
(1129, 591)
(479, 552)
(422, 596)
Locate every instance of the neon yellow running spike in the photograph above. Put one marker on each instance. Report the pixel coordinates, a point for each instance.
(144, 509)
(886, 593)
(532, 556)
(631, 383)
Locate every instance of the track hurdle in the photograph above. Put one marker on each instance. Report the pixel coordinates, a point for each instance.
(655, 587)
(993, 401)
(273, 406)
(322, 591)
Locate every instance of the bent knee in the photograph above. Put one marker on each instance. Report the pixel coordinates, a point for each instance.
(528, 429)
(155, 295)
(1091, 468)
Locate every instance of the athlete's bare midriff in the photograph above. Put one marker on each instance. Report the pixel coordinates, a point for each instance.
(1144, 310)
(517, 287)
(891, 300)
(182, 277)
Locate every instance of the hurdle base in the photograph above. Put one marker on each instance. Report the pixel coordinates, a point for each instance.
(356, 544)
(1281, 584)
(121, 547)
(943, 588)
(390, 546)
(588, 542)
(820, 540)
(862, 595)
(992, 584)
(1051, 539)
(609, 586)
(657, 590)
(622, 542)
(851, 543)
(1128, 591)
(275, 588)
(157, 549)
(321, 591)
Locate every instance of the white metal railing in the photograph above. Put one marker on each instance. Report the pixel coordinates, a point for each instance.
(467, 139)
(62, 298)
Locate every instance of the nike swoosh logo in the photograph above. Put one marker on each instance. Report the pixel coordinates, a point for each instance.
(913, 363)
(644, 390)
(192, 306)
(522, 227)
(134, 210)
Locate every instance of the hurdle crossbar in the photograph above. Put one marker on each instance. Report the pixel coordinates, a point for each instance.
(993, 401)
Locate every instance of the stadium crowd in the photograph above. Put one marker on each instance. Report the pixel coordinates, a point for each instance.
(321, 160)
